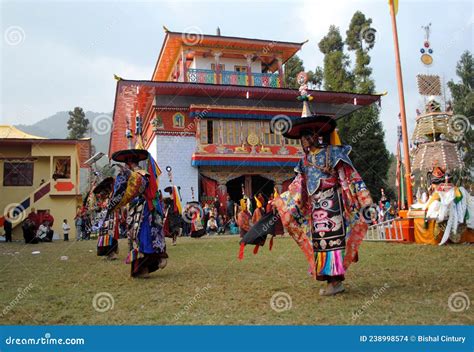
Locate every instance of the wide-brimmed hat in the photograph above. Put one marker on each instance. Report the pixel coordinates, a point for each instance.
(127, 155)
(319, 124)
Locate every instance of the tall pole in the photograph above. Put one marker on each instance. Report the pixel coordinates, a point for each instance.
(401, 97)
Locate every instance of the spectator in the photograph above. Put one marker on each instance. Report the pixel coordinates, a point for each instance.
(86, 227)
(220, 224)
(211, 225)
(373, 217)
(78, 224)
(46, 216)
(205, 211)
(234, 229)
(217, 205)
(34, 219)
(44, 233)
(66, 229)
(29, 231)
(230, 208)
(7, 226)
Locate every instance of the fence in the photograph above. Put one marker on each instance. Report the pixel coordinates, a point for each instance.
(390, 230)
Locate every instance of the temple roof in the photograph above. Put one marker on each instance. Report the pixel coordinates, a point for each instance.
(175, 41)
(140, 96)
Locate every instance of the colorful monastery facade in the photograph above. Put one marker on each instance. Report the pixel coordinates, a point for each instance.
(208, 109)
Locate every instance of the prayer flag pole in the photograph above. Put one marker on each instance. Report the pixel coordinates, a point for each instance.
(393, 4)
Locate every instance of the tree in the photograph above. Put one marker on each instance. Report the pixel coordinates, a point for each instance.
(362, 129)
(316, 77)
(463, 104)
(462, 92)
(336, 75)
(77, 124)
(369, 154)
(360, 37)
(292, 67)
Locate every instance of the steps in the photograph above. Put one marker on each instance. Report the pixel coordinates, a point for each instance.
(22, 209)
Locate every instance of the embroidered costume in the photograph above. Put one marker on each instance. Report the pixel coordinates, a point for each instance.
(138, 188)
(107, 241)
(322, 208)
(321, 211)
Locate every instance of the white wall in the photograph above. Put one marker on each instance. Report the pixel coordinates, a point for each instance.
(200, 62)
(176, 152)
(152, 149)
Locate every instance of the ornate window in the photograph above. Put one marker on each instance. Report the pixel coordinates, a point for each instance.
(233, 131)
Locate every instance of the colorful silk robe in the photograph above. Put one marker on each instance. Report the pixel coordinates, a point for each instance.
(321, 176)
(138, 190)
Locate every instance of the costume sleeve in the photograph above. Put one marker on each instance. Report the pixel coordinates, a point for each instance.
(355, 197)
(355, 193)
(299, 168)
(294, 217)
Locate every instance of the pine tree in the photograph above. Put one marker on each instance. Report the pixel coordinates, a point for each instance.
(292, 67)
(463, 104)
(316, 77)
(336, 75)
(77, 124)
(369, 153)
(362, 129)
(462, 92)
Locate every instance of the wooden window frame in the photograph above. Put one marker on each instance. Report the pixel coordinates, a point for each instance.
(24, 178)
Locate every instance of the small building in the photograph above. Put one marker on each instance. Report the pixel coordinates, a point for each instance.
(208, 110)
(40, 173)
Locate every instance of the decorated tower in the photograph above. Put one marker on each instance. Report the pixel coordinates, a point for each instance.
(435, 138)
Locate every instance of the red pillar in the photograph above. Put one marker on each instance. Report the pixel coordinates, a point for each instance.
(249, 69)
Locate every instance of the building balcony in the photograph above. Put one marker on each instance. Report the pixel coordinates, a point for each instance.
(271, 80)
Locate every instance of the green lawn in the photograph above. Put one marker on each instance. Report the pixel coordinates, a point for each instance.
(204, 283)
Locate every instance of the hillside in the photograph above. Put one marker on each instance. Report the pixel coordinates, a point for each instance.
(55, 126)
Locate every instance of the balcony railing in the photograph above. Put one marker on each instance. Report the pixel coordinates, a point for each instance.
(234, 78)
(266, 80)
(201, 76)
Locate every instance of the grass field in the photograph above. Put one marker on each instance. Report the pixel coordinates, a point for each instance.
(204, 283)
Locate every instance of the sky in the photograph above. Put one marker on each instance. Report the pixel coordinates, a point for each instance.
(56, 55)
